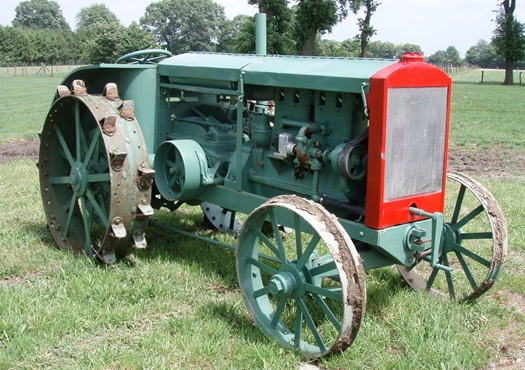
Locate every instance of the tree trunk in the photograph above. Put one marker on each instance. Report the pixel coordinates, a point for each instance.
(309, 43)
(509, 73)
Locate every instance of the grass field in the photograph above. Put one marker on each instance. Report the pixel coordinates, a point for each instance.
(177, 304)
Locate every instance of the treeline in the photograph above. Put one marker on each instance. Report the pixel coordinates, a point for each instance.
(40, 34)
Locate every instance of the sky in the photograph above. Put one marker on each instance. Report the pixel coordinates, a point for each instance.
(432, 24)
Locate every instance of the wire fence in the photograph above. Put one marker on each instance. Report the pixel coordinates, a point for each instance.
(41, 69)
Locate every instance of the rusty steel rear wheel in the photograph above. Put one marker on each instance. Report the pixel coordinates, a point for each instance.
(474, 243)
(305, 289)
(95, 175)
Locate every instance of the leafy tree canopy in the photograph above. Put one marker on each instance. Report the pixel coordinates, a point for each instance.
(484, 55)
(108, 41)
(92, 14)
(279, 27)
(40, 14)
(446, 57)
(184, 25)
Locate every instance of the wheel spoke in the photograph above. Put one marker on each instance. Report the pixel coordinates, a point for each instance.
(278, 239)
(327, 311)
(472, 255)
(298, 235)
(265, 240)
(459, 203)
(261, 292)
(311, 324)
(448, 275)
(97, 208)
(278, 312)
(327, 269)
(261, 266)
(92, 147)
(60, 180)
(476, 236)
(99, 177)
(298, 327)
(432, 278)
(467, 271)
(87, 229)
(308, 252)
(101, 202)
(324, 292)
(465, 220)
(64, 146)
(70, 212)
(78, 130)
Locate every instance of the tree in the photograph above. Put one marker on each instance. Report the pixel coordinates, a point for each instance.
(279, 26)
(508, 38)
(13, 45)
(89, 15)
(379, 49)
(184, 25)
(366, 31)
(348, 48)
(484, 55)
(314, 17)
(232, 37)
(407, 48)
(40, 14)
(449, 57)
(106, 42)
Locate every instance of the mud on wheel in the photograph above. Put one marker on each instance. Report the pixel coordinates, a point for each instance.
(474, 244)
(305, 289)
(95, 176)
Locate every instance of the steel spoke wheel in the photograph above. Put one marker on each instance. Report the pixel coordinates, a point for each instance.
(474, 244)
(305, 289)
(94, 177)
(148, 56)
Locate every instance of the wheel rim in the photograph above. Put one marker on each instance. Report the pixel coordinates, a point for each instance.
(474, 244)
(149, 56)
(85, 170)
(305, 289)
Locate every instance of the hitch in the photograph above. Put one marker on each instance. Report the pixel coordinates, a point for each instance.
(438, 221)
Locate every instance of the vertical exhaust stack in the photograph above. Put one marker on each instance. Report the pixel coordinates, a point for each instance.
(260, 33)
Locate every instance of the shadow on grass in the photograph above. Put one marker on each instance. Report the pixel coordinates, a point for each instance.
(168, 245)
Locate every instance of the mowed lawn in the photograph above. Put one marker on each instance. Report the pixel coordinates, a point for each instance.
(177, 304)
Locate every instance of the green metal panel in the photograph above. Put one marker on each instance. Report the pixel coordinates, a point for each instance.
(134, 82)
(316, 73)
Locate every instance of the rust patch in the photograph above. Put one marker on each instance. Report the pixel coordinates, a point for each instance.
(109, 125)
(79, 88)
(111, 91)
(128, 110)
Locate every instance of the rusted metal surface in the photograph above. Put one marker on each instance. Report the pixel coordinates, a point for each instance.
(95, 175)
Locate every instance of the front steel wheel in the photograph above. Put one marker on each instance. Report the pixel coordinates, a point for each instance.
(305, 289)
(474, 244)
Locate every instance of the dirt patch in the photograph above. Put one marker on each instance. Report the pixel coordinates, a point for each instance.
(496, 161)
(13, 150)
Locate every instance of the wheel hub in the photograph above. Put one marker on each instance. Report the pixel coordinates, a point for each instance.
(78, 178)
(450, 238)
(289, 281)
